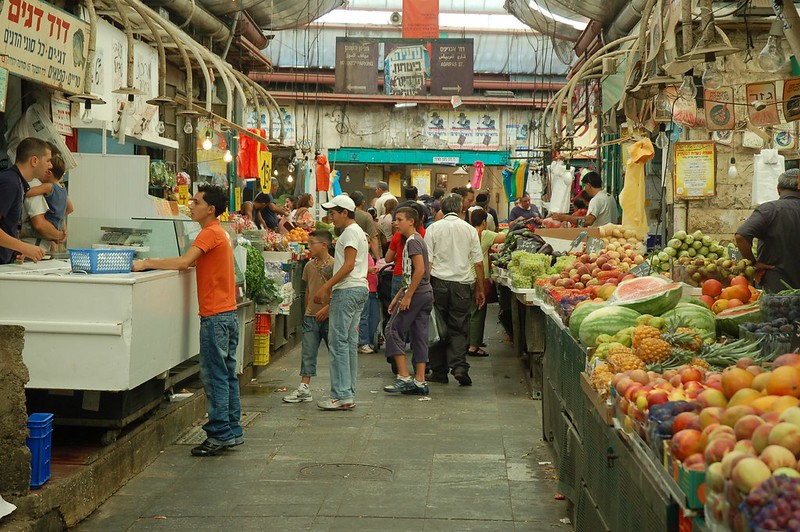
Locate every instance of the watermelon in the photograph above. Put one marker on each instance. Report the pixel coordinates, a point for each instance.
(580, 313)
(689, 315)
(607, 320)
(647, 295)
(728, 321)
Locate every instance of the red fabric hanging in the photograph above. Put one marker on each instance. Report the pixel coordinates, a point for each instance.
(247, 158)
(323, 174)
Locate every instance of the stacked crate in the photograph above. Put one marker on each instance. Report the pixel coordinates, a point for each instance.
(263, 326)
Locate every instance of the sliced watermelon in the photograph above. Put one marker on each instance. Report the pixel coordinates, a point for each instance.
(728, 321)
(647, 295)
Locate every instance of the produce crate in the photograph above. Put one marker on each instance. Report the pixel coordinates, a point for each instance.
(101, 260)
(40, 428)
(774, 306)
(263, 324)
(778, 343)
(599, 402)
(261, 350)
(692, 484)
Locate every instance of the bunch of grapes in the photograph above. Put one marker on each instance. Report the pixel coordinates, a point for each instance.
(774, 306)
(775, 504)
(561, 264)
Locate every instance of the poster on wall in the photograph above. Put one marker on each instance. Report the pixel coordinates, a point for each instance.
(462, 129)
(488, 133)
(785, 137)
(765, 110)
(406, 69)
(288, 125)
(210, 162)
(791, 99)
(422, 180)
(694, 175)
(435, 126)
(61, 115)
(718, 105)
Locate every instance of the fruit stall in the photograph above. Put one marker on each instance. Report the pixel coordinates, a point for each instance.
(669, 386)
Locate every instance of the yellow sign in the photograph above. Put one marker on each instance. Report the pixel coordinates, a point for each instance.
(422, 180)
(237, 202)
(265, 168)
(695, 170)
(183, 194)
(43, 43)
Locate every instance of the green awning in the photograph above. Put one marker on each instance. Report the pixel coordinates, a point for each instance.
(442, 157)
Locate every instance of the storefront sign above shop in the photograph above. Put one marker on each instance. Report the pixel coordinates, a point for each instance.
(44, 44)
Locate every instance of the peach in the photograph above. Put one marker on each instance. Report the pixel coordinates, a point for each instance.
(760, 437)
(694, 460)
(786, 435)
(730, 460)
(745, 396)
(640, 376)
(771, 417)
(782, 403)
(735, 379)
(714, 478)
(760, 381)
(749, 473)
(657, 397)
(789, 359)
(683, 420)
(745, 446)
(755, 370)
(734, 413)
(764, 403)
(776, 457)
(686, 443)
(746, 425)
(622, 384)
(711, 414)
(790, 415)
(723, 431)
(691, 374)
(784, 380)
(712, 397)
(717, 449)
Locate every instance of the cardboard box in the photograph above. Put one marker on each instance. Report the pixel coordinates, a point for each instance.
(561, 239)
(692, 484)
(600, 403)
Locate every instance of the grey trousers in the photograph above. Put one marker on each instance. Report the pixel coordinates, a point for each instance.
(454, 302)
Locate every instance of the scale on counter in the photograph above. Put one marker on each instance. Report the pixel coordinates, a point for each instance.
(124, 237)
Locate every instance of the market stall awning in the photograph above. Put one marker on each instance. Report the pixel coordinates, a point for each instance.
(443, 157)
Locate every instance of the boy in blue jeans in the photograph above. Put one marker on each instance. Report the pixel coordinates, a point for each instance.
(315, 321)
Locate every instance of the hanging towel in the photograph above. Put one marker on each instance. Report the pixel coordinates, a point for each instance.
(767, 167)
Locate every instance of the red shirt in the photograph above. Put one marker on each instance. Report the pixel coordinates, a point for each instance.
(397, 243)
(216, 280)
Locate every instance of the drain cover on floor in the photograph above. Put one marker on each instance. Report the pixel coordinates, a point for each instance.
(354, 471)
(196, 435)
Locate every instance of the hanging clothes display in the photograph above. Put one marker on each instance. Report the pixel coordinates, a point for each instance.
(535, 187)
(632, 197)
(337, 186)
(561, 179)
(509, 185)
(767, 167)
(247, 157)
(477, 178)
(520, 178)
(323, 173)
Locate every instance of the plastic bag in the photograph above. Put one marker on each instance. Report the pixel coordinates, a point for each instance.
(437, 328)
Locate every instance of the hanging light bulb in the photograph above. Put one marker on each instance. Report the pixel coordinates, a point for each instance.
(732, 171)
(86, 117)
(772, 57)
(227, 156)
(290, 167)
(661, 102)
(289, 178)
(187, 126)
(712, 78)
(687, 90)
(661, 140)
(347, 178)
(275, 173)
(160, 128)
(207, 144)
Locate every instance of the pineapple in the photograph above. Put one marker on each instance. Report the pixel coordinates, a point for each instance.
(653, 350)
(620, 349)
(601, 379)
(624, 362)
(640, 332)
(685, 338)
(700, 363)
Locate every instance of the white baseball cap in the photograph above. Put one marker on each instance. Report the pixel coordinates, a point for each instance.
(340, 201)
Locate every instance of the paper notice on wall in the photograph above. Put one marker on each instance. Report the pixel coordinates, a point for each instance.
(61, 115)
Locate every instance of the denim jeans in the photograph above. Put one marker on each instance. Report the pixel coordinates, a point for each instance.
(370, 317)
(346, 306)
(219, 336)
(314, 332)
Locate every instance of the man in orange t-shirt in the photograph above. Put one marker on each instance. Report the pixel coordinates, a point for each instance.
(212, 254)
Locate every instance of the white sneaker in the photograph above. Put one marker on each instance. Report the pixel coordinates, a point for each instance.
(301, 395)
(365, 349)
(336, 404)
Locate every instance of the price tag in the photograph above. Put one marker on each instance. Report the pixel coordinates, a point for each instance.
(594, 245)
(529, 245)
(183, 194)
(642, 270)
(734, 254)
(577, 241)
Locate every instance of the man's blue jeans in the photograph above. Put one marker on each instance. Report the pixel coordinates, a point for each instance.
(314, 332)
(346, 306)
(219, 336)
(370, 317)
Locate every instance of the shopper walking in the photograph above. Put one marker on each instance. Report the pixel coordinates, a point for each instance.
(456, 274)
(370, 316)
(479, 219)
(410, 310)
(349, 293)
(316, 273)
(211, 252)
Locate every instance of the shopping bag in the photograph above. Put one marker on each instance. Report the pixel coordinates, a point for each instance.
(437, 328)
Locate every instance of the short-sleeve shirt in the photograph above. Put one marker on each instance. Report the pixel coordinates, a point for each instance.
(396, 244)
(415, 245)
(35, 206)
(604, 208)
(774, 223)
(352, 237)
(518, 211)
(316, 274)
(270, 218)
(216, 282)
(13, 188)
(365, 222)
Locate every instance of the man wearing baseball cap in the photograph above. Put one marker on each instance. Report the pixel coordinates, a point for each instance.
(349, 293)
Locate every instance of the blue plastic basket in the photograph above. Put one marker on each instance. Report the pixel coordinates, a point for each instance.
(40, 428)
(101, 260)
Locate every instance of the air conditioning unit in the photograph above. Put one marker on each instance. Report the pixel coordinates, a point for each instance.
(395, 19)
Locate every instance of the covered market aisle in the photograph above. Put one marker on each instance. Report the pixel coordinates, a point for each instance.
(471, 458)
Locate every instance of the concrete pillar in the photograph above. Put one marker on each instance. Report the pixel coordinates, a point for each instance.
(15, 466)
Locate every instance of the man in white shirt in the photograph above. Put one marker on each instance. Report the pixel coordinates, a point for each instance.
(349, 293)
(602, 207)
(456, 276)
(383, 195)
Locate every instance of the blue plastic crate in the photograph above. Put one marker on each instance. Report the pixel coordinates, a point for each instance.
(101, 260)
(40, 427)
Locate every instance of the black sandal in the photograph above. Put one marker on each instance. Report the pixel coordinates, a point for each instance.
(477, 353)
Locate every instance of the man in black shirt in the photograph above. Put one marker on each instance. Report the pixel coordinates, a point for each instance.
(32, 162)
(774, 224)
(266, 209)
